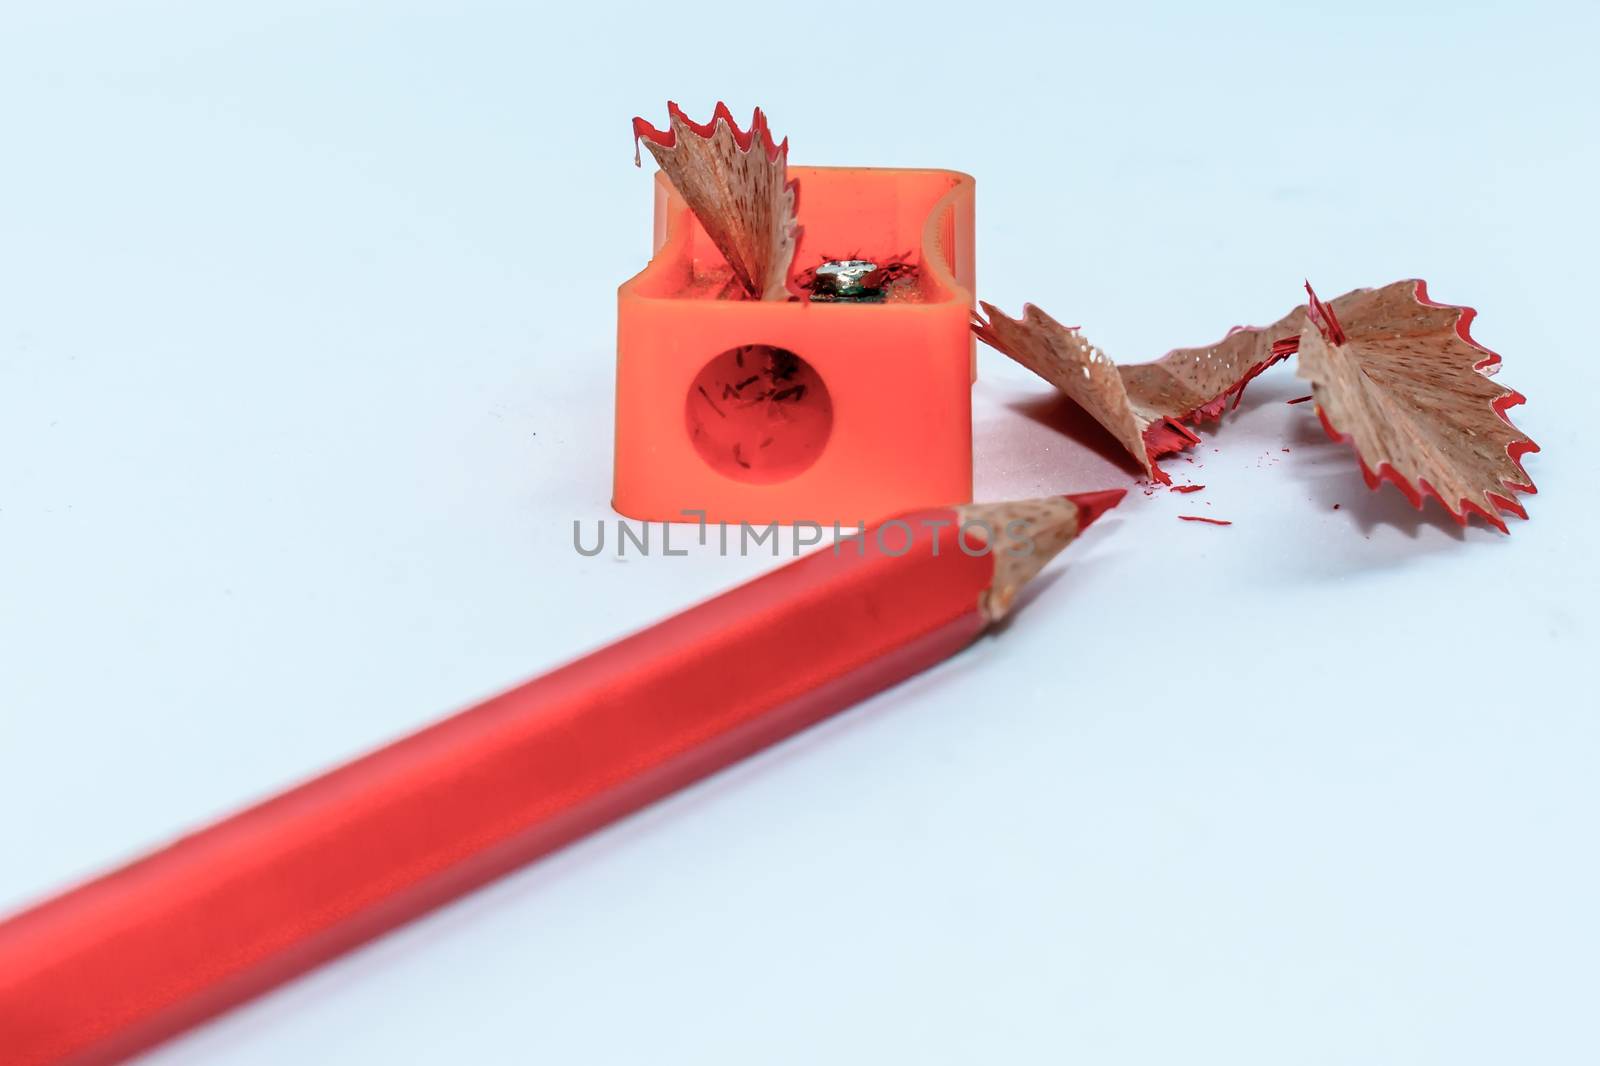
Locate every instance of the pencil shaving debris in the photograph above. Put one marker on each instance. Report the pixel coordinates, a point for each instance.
(736, 183)
(1392, 373)
(1147, 407)
(1207, 521)
(1400, 378)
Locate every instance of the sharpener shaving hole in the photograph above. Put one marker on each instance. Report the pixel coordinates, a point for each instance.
(759, 414)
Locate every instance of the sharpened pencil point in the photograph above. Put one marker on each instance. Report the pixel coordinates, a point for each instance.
(1027, 534)
(1092, 505)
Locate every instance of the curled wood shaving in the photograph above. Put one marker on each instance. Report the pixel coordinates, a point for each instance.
(1401, 379)
(1145, 406)
(1393, 373)
(736, 183)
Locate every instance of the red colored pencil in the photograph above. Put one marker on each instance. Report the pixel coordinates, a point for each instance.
(116, 965)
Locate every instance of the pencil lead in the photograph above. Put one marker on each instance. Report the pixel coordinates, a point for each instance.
(1092, 505)
(1026, 534)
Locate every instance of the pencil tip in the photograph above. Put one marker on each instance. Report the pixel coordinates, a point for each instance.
(1092, 505)
(1027, 534)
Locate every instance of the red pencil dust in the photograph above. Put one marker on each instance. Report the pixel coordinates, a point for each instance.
(112, 967)
(1208, 521)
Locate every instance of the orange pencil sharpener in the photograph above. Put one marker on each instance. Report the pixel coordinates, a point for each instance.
(766, 410)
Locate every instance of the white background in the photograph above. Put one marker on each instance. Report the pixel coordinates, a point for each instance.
(306, 327)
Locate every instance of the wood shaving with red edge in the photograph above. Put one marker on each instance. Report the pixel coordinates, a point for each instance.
(1146, 406)
(1392, 372)
(1400, 378)
(736, 183)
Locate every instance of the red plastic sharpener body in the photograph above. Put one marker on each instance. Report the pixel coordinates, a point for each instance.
(830, 412)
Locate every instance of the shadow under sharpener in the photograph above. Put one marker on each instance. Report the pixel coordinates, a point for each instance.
(768, 411)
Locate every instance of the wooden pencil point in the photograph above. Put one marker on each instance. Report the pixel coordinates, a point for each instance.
(1027, 534)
